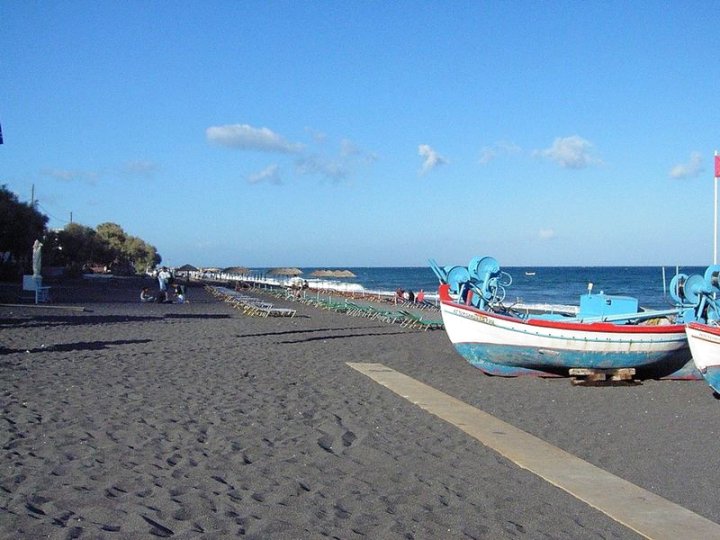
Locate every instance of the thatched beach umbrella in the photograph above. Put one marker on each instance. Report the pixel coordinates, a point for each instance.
(187, 268)
(333, 273)
(236, 270)
(285, 272)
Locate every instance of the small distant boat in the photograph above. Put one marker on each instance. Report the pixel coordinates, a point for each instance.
(529, 273)
(608, 331)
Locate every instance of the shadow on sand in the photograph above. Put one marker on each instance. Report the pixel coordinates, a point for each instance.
(78, 346)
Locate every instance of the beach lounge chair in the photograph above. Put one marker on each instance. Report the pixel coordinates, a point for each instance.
(281, 312)
(416, 321)
(358, 310)
(250, 305)
(389, 316)
(332, 305)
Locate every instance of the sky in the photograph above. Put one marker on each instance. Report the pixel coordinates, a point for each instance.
(367, 133)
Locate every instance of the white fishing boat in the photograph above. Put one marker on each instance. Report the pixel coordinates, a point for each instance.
(608, 332)
(703, 334)
(704, 340)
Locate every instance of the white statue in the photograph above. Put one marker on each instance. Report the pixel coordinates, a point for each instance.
(37, 258)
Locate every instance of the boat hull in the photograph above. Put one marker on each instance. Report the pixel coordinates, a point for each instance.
(704, 343)
(507, 346)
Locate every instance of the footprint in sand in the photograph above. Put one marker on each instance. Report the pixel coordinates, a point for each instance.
(337, 430)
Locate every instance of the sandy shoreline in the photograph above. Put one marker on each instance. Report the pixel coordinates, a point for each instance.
(187, 421)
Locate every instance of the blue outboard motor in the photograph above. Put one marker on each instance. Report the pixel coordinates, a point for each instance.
(698, 295)
(481, 281)
(712, 281)
(457, 277)
(483, 272)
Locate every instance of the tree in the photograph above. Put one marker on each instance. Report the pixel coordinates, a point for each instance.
(140, 254)
(129, 252)
(74, 247)
(20, 225)
(77, 245)
(113, 234)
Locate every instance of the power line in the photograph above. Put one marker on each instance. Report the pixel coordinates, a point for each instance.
(45, 210)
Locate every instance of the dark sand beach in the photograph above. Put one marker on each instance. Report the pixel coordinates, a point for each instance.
(132, 420)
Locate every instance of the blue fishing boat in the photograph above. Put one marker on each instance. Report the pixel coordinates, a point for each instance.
(608, 332)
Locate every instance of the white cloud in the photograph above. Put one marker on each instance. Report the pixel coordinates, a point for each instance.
(140, 167)
(350, 151)
(572, 152)
(65, 175)
(546, 234)
(690, 169)
(270, 175)
(313, 159)
(349, 148)
(333, 170)
(136, 168)
(318, 136)
(245, 137)
(502, 148)
(431, 158)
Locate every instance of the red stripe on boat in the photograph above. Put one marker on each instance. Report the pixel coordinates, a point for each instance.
(576, 326)
(715, 330)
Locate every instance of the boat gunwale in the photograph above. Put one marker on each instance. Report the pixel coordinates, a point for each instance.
(703, 327)
(606, 327)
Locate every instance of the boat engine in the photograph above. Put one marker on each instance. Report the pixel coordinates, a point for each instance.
(698, 293)
(480, 284)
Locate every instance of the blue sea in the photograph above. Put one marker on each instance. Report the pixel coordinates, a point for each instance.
(543, 284)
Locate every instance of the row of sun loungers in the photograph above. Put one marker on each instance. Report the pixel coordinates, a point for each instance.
(403, 317)
(249, 304)
(257, 307)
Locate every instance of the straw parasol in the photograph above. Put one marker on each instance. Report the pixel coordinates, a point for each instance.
(187, 268)
(235, 270)
(285, 272)
(333, 273)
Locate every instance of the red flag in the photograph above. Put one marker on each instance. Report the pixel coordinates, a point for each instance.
(717, 166)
